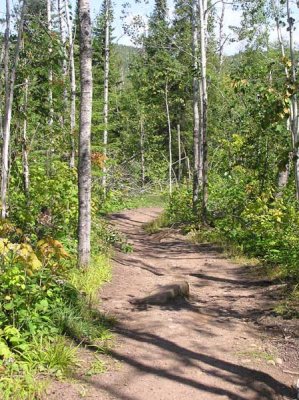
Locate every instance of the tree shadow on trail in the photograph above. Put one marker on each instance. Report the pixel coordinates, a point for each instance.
(249, 381)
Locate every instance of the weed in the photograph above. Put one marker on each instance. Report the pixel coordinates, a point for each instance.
(97, 367)
(57, 356)
(257, 354)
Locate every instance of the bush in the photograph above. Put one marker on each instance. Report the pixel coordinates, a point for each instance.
(44, 296)
(180, 209)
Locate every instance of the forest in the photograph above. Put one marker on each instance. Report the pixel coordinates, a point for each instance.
(90, 128)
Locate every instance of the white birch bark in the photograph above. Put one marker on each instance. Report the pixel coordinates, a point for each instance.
(6, 49)
(294, 117)
(180, 153)
(73, 84)
(62, 26)
(8, 115)
(84, 169)
(169, 139)
(283, 175)
(1, 87)
(50, 77)
(196, 106)
(203, 16)
(26, 173)
(221, 33)
(142, 135)
(106, 91)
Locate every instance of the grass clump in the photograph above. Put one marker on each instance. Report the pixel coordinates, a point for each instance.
(98, 366)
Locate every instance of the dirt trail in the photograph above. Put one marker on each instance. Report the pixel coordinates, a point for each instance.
(208, 347)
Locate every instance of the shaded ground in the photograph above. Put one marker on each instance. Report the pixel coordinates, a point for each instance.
(222, 343)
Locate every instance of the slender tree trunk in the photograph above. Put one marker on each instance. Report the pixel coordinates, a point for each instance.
(6, 49)
(180, 153)
(294, 117)
(106, 90)
(26, 173)
(283, 175)
(188, 166)
(221, 34)
(8, 115)
(73, 84)
(196, 105)
(2, 99)
(62, 25)
(50, 77)
(6, 71)
(203, 15)
(142, 135)
(169, 138)
(84, 169)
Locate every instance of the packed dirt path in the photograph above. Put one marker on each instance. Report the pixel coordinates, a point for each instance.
(206, 347)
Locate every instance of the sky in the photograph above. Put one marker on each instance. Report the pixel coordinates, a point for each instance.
(144, 8)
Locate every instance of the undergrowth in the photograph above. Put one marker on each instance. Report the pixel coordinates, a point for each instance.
(118, 200)
(47, 308)
(258, 226)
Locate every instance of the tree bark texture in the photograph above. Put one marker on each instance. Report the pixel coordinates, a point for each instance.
(84, 169)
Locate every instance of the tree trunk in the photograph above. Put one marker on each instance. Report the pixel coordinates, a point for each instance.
(203, 15)
(6, 49)
(4, 61)
(180, 153)
(50, 77)
(8, 115)
(142, 151)
(73, 84)
(26, 174)
(283, 175)
(106, 90)
(169, 139)
(294, 116)
(84, 169)
(62, 25)
(221, 34)
(196, 118)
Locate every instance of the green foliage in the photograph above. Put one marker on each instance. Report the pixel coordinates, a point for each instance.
(180, 208)
(21, 383)
(44, 295)
(98, 366)
(52, 210)
(56, 356)
(117, 201)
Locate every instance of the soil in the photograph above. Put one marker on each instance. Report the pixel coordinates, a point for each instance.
(223, 342)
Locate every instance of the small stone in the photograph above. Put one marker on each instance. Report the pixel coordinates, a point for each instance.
(246, 361)
(279, 361)
(271, 362)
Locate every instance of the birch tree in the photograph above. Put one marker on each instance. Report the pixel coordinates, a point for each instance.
(8, 112)
(221, 33)
(284, 174)
(294, 100)
(49, 21)
(142, 150)
(62, 25)
(25, 164)
(84, 169)
(169, 138)
(73, 83)
(106, 89)
(203, 17)
(197, 171)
